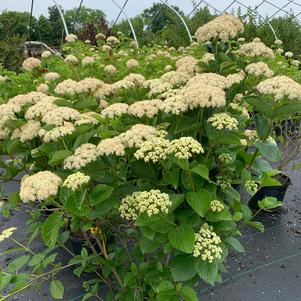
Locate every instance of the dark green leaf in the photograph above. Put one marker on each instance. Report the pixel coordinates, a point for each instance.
(199, 201)
(208, 271)
(100, 193)
(182, 238)
(188, 293)
(235, 244)
(58, 157)
(51, 228)
(183, 268)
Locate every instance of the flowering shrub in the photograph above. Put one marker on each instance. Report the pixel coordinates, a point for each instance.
(136, 152)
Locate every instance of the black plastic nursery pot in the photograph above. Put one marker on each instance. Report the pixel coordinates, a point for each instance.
(277, 192)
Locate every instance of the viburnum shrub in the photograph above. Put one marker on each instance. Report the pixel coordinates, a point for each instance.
(137, 154)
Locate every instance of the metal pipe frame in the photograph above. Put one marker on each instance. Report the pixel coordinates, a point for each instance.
(181, 18)
(62, 16)
(129, 21)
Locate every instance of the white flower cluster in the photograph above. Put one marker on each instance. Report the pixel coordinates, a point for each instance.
(46, 54)
(39, 186)
(83, 155)
(280, 87)
(7, 233)
(259, 69)
(106, 48)
(150, 202)
(149, 108)
(51, 76)
(207, 244)
(110, 146)
(223, 28)
(43, 88)
(76, 181)
(113, 40)
(87, 118)
(225, 158)
(256, 48)
(251, 186)
(174, 105)
(187, 64)
(223, 121)
(137, 134)
(70, 58)
(176, 78)
(132, 63)
(100, 36)
(28, 131)
(67, 87)
(70, 38)
(236, 107)
(59, 115)
(31, 63)
(110, 69)
(184, 147)
(88, 60)
(157, 86)
(208, 57)
(216, 206)
(41, 108)
(58, 132)
(289, 54)
(278, 42)
(137, 79)
(115, 110)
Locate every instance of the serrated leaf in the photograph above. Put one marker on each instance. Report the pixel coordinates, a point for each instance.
(208, 271)
(58, 157)
(201, 170)
(269, 150)
(224, 215)
(57, 289)
(188, 293)
(182, 238)
(183, 268)
(100, 193)
(51, 228)
(18, 263)
(199, 201)
(147, 246)
(235, 244)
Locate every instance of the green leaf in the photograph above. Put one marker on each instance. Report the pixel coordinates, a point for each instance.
(18, 263)
(257, 225)
(287, 109)
(13, 199)
(208, 271)
(103, 208)
(36, 259)
(183, 268)
(261, 106)
(199, 201)
(235, 244)
(269, 150)
(51, 228)
(188, 293)
(201, 170)
(57, 289)
(85, 104)
(5, 281)
(176, 201)
(147, 246)
(182, 238)
(164, 286)
(269, 203)
(157, 223)
(224, 215)
(100, 193)
(263, 126)
(185, 124)
(147, 232)
(172, 176)
(58, 157)
(63, 103)
(81, 139)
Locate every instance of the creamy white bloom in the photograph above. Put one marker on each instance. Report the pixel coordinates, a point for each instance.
(76, 181)
(223, 121)
(110, 69)
(256, 48)
(113, 40)
(41, 108)
(70, 38)
(100, 36)
(28, 131)
(44, 88)
(132, 63)
(59, 115)
(58, 132)
(31, 63)
(51, 76)
(106, 48)
(278, 42)
(148, 108)
(208, 57)
(70, 58)
(137, 79)
(111, 146)
(157, 86)
(187, 64)
(39, 186)
(279, 51)
(176, 78)
(87, 118)
(216, 206)
(67, 87)
(88, 60)
(184, 147)
(150, 202)
(115, 110)
(174, 105)
(280, 87)
(207, 244)
(223, 28)
(46, 54)
(83, 155)
(7, 233)
(259, 69)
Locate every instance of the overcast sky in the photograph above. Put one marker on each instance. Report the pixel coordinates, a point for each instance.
(134, 7)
